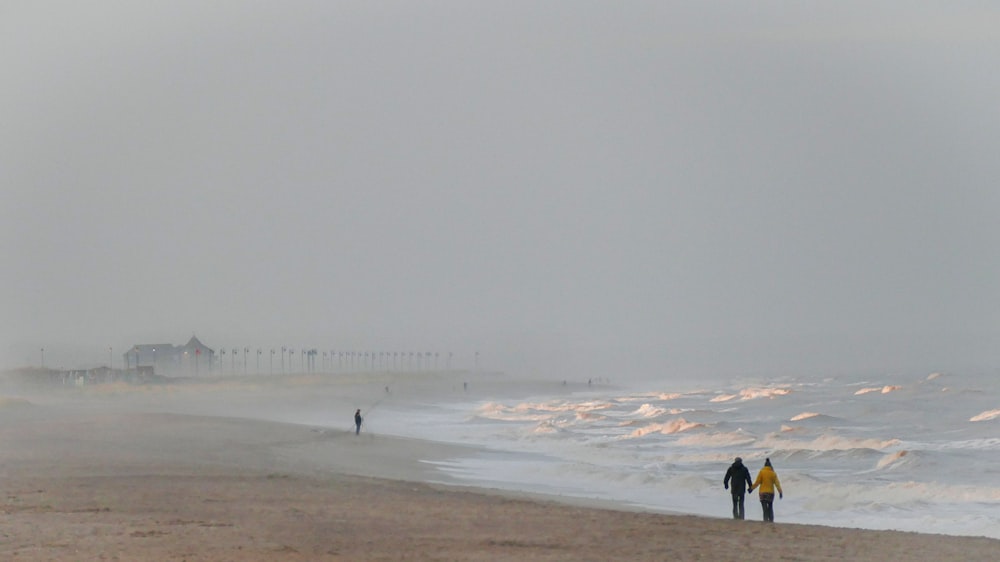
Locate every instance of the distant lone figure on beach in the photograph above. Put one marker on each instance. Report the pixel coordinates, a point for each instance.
(767, 482)
(357, 421)
(739, 476)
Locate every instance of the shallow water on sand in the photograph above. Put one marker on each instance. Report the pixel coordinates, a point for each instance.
(908, 453)
(913, 453)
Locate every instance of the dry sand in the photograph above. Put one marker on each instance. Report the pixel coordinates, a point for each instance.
(100, 483)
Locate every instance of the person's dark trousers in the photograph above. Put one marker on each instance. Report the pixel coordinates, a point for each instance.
(738, 512)
(767, 503)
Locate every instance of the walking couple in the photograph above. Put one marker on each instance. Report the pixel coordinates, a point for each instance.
(767, 482)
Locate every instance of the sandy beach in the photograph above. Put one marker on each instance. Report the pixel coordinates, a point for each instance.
(105, 476)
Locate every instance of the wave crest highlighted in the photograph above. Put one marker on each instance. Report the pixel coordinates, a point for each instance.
(890, 459)
(883, 390)
(753, 393)
(985, 416)
(649, 411)
(673, 426)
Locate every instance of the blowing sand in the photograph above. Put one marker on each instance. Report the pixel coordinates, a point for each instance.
(100, 483)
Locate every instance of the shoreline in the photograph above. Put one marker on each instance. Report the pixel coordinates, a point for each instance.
(124, 493)
(167, 486)
(99, 478)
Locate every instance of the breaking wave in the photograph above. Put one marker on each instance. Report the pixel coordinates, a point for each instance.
(649, 411)
(892, 459)
(673, 426)
(529, 411)
(985, 416)
(752, 394)
(883, 390)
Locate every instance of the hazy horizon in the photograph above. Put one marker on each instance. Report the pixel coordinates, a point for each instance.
(641, 189)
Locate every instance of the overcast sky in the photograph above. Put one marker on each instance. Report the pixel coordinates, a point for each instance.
(662, 189)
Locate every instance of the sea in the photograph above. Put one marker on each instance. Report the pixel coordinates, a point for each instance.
(904, 452)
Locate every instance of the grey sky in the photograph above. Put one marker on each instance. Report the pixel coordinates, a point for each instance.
(647, 188)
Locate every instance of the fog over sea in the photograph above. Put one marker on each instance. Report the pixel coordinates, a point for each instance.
(912, 453)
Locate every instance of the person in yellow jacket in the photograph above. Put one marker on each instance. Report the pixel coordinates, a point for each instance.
(767, 482)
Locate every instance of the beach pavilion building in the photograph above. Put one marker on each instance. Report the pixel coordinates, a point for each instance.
(192, 358)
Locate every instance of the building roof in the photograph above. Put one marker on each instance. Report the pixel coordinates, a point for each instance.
(144, 347)
(194, 343)
(147, 348)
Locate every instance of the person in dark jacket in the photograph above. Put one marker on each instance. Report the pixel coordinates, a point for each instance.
(739, 476)
(357, 421)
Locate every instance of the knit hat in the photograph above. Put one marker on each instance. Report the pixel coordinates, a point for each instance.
(767, 462)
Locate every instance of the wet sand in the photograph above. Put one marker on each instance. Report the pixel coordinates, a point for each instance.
(100, 483)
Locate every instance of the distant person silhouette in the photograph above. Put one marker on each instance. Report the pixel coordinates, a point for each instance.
(767, 482)
(739, 476)
(357, 421)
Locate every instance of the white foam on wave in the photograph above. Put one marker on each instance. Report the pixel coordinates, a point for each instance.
(502, 412)
(883, 390)
(652, 395)
(985, 416)
(753, 394)
(558, 406)
(669, 428)
(649, 411)
(546, 427)
(803, 416)
(537, 411)
(891, 459)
